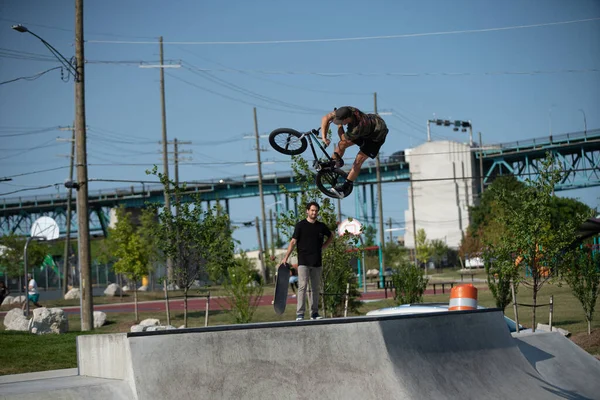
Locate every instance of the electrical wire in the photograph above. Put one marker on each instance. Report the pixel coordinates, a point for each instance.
(35, 172)
(360, 38)
(32, 132)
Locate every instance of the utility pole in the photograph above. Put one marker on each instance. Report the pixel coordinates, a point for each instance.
(414, 222)
(164, 145)
(260, 190)
(68, 216)
(380, 198)
(87, 311)
(261, 256)
(390, 225)
(480, 166)
(272, 237)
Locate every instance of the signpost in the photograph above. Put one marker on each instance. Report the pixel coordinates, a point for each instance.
(44, 228)
(354, 227)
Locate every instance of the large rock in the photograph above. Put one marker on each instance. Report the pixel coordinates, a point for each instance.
(546, 328)
(49, 320)
(7, 301)
(112, 290)
(72, 294)
(150, 322)
(19, 299)
(126, 288)
(143, 288)
(16, 321)
(99, 319)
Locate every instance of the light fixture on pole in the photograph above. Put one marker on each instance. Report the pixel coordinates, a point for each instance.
(458, 125)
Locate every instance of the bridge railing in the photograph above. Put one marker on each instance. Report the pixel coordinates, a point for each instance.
(565, 138)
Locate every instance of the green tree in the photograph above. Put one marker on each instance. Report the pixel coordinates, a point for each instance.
(128, 249)
(337, 270)
(531, 241)
(395, 254)
(423, 247)
(409, 283)
(244, 291)
(439, 251)
(583, 276)
(369, 233)
(11, 255)
(199, 242)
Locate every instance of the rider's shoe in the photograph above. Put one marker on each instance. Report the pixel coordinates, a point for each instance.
(344, 189)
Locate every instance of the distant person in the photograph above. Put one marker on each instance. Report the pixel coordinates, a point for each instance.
(367, 131)
(309, 238)
(32, 293)
(294, 280)
(3, 292)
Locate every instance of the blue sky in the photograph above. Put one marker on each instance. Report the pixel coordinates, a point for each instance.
(291, 84)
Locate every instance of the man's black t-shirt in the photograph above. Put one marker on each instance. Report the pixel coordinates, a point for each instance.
(309, 241)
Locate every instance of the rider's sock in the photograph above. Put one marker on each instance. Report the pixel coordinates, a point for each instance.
(339, 162)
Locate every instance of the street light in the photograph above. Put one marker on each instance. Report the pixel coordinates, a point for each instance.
(77, 69)
(64, 62)
(584, 122)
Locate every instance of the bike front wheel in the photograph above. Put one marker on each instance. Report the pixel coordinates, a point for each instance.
(288, 141)
(327, 179)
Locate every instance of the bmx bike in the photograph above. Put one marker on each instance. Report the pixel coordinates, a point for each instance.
(291, 142)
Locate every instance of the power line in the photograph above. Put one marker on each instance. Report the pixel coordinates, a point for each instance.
(35, 172)
(33, 77)
(28, 189)
(249, 93)
(31, 132)
(232, 98)
(360, 38)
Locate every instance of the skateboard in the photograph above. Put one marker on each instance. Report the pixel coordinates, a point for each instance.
(281, 288)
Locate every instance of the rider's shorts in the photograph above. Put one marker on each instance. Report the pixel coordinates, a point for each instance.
(371, 144)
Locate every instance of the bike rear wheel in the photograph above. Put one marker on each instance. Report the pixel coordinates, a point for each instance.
(329, 178)
(288, 141)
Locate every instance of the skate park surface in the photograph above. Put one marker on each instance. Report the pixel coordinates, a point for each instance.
(456, 354)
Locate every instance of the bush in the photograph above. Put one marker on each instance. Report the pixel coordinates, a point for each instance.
(410, 284)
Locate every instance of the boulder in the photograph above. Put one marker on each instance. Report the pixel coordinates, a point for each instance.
(126, 288)
(72, 294)
(150, 322)
(112, 290)
(172, 286)
(7, 301)
(373, 272)
(49, 320)
(143, 288)
(16, 321)
(138, 328)
(99, 319)
(19, 300)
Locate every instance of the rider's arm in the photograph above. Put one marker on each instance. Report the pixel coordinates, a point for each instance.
(289, 250)
(325, 121)
(341, 132)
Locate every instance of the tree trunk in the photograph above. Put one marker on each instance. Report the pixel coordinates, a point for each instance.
(185, 306)
(589, 326)
(135, 301)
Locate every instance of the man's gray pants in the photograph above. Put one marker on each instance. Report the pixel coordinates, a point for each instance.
(306, 274)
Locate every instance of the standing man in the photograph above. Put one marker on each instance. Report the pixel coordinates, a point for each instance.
(308, 238)
(368, 131)
(32, 293)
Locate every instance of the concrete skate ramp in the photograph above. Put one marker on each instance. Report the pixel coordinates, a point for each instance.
(561, 362)
(462, 355)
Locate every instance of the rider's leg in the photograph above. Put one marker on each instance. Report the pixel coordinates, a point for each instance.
(356, 166)
(353, 174)
(340, 149)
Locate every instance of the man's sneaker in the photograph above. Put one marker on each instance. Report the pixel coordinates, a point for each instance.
(344, 189)
(299, 317)
(316, 316)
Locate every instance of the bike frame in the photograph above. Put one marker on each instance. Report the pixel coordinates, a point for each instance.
(310, 137)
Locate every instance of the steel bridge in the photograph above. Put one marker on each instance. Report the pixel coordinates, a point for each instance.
(578, 152)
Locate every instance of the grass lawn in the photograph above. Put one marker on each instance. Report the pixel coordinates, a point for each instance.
(59, 351)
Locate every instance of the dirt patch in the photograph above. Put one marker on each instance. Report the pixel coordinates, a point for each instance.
(590, 343)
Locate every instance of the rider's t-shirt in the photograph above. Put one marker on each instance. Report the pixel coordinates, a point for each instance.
(366, 126)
